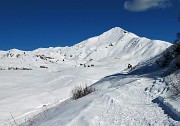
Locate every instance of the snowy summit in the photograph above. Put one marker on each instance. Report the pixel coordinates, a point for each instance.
(134, 81)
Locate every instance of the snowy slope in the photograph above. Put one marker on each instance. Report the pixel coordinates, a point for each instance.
(126, 104)
(41, 95)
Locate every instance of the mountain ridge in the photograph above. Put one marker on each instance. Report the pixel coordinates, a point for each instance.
(115, 43)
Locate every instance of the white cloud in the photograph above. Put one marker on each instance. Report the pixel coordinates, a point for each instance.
(142, 5)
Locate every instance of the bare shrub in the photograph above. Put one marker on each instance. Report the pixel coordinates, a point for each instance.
(79, 92)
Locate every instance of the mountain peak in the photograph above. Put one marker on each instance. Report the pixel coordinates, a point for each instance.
(116, 29)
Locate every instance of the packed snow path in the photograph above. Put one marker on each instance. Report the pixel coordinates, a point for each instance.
(129, 105)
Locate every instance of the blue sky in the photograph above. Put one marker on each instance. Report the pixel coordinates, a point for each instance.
(31, 24)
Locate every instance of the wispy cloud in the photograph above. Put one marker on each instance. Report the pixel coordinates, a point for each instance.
(143, 5)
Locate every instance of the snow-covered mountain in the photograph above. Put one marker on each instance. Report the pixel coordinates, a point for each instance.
(36, 85)
(112, 45)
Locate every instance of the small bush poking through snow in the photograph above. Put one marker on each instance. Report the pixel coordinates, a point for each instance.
(176, 87)
(175, 84)
(79, 92)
